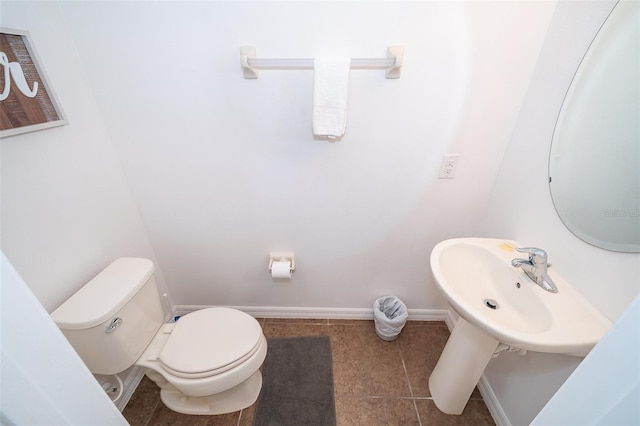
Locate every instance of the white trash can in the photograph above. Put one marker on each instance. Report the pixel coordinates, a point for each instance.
(389, 315)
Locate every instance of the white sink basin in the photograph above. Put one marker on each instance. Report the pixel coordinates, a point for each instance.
(472, 270)
(501, 308)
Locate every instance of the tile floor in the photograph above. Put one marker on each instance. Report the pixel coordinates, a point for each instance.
(376, 382)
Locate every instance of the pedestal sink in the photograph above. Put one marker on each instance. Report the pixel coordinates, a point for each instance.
(501, 308)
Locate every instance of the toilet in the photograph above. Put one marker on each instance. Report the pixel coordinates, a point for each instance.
(207, 362)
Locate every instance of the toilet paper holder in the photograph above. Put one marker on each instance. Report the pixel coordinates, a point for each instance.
(281, 256)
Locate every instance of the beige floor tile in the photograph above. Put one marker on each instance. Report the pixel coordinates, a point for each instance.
(148, 385)
(427, 323)
(314, 321)
(273, 330)
(142, 404)
(246, 416)
(375, 412)
(364, 364)
(474, 414)
(421, 346)
(349, 322)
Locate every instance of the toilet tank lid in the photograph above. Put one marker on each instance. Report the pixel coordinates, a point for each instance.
(99, 299)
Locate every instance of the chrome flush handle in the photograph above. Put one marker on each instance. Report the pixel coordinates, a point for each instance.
(115, 323)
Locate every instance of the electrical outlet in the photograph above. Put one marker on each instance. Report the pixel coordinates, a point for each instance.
(449, 165)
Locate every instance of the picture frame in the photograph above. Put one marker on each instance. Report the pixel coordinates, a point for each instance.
(27, 100)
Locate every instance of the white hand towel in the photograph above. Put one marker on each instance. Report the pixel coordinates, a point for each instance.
(330, 90)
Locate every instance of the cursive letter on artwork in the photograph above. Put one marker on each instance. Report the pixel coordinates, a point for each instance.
(14, 70)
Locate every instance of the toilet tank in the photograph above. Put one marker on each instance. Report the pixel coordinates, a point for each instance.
(112, 318)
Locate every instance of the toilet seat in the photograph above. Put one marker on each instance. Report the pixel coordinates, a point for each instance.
(210, 341)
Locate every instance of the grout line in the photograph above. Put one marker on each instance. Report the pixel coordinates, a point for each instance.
(155, 407)
(415, 406)
(404, 368)
(417, 398)
(406, 375)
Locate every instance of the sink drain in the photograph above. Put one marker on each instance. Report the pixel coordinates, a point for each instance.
(490, 303)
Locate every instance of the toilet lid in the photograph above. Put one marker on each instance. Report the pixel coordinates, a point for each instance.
(210, 341)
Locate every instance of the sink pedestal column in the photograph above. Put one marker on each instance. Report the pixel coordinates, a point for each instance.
(460, 366)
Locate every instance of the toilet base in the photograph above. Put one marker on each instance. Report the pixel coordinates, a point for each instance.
(229, 401)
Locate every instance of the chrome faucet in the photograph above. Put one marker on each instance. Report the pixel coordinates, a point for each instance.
(536, 267)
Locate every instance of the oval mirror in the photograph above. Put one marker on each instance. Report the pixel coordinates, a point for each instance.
(594, 165)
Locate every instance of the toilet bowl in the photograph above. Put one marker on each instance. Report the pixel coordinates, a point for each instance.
(205, 363)
(208, 362)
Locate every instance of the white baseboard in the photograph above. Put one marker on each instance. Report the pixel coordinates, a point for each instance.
(319, 313)
(492, 403)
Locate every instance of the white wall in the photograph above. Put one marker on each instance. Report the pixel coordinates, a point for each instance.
(225, 170)
(67, 210)
(521, 208)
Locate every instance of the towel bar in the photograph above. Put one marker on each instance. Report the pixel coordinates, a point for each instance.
(250, 64)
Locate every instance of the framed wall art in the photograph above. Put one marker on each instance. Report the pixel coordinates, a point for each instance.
(27, 102)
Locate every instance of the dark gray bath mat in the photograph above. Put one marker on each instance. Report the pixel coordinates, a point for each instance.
(297, 388)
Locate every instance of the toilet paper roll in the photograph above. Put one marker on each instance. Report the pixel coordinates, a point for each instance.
(281, 269)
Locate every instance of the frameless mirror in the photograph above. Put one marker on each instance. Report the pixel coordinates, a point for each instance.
(594, 165)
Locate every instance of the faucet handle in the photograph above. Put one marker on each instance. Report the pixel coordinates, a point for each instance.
(536, 255)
